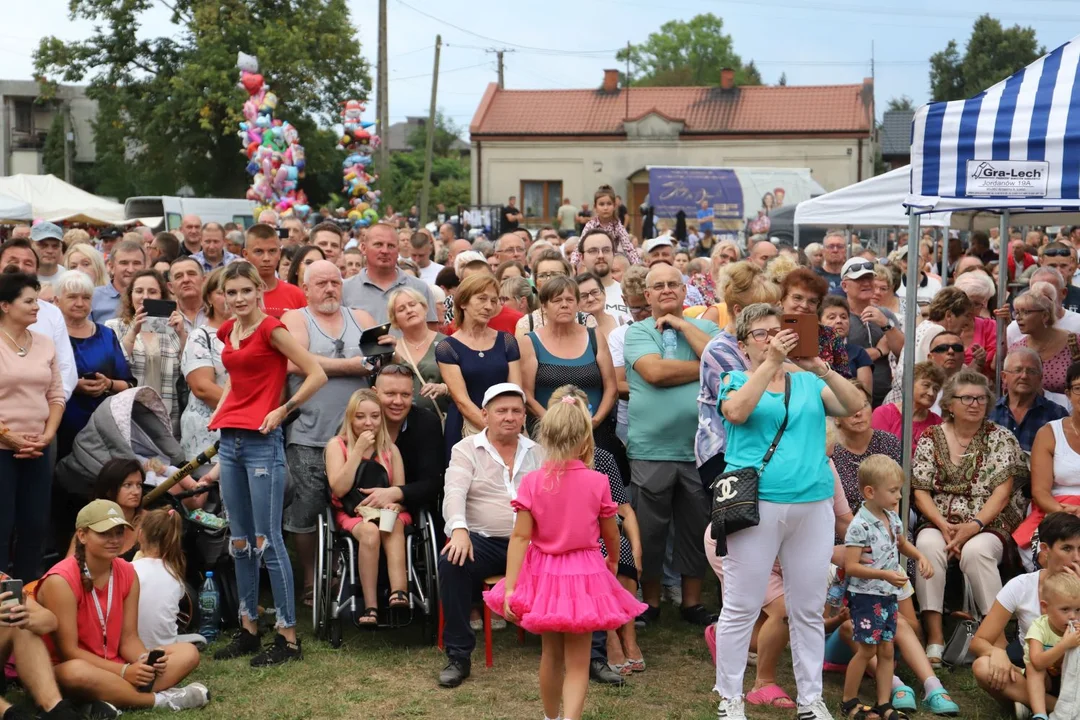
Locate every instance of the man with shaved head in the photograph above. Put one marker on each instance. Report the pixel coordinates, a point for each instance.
(456, 247)
(663, 375)
(191, 228)
(331, 333)
(762, 252)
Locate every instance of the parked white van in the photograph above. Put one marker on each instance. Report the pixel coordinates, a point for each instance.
(165, 213)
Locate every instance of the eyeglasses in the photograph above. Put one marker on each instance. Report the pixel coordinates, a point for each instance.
(948, 347)
(639, 309)
(548, 275)
(599, 251)
(1058, 252)
(1074, 390)
(397, 369)
(763, 335)
(1024, 371)
(1021, 313)
(970, 400)
(669, 285)
(592, 295)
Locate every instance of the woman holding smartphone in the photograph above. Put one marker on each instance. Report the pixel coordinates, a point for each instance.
(94, 595)
(257, 350)
(152, 349)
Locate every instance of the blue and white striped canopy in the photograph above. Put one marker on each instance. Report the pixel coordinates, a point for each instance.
(1032, 116)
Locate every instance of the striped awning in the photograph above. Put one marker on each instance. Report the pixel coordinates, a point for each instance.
(1015, 146)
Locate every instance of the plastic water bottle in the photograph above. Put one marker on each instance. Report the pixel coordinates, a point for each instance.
(670, 343)
(835, 598)
(209, 608)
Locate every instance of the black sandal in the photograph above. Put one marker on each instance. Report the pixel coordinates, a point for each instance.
(368, 618)
(886, 711)
(401, 597)
(855, 709)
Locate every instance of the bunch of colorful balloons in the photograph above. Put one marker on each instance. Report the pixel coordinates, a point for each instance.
(359, 143)
(275, 155)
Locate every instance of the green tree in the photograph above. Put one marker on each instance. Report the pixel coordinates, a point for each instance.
(993, 53)
(901, 103)
(168, 106)
(446, 134)
(782, 82)
(53, 153)
(449, 171)
(687, 53)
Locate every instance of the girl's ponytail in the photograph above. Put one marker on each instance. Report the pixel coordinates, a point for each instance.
(163, 532)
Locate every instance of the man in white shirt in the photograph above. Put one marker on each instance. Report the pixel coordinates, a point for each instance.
(422, 252)
(1066, 320)
(48, 242)
(597, 250)
(20, 255)
(484, 475)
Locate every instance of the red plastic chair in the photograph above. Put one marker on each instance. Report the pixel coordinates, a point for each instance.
(488, 661)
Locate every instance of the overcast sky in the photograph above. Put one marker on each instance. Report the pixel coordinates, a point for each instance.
(567, 43)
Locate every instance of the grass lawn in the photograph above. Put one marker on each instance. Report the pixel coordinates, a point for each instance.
(391, 674)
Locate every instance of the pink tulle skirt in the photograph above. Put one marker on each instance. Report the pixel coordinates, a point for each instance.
(573, 592)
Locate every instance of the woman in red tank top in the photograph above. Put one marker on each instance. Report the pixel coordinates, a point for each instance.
(363, 436)
(95, 597)
(249, 414)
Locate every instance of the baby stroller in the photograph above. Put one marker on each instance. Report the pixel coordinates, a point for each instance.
(134, 424)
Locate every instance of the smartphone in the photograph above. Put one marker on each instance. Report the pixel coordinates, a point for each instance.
(15, 587)
(152, 660)
(805, 326)
(88, 376)
(369, 341)
(159, 308)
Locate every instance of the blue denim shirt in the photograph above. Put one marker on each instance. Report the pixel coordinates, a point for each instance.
(1041, 412)
(104, 303)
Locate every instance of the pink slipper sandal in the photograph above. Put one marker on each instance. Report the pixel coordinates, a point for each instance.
(771, 695)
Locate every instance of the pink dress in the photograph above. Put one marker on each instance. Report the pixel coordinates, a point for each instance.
(344, 520)
(564, 584)
(890, 418)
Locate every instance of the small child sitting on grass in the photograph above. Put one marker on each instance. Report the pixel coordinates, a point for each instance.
(872, 590)
(1050, 637)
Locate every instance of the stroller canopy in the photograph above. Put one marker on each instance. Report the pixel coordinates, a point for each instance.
(132, 424)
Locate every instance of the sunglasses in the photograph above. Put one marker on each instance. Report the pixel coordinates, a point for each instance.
(946, 347)
(859, 267)
(1058, 252)
(397, 369)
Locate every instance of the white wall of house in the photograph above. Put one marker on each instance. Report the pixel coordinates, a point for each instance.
(499, 167)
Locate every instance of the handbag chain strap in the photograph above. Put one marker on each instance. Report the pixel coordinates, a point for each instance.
(783, 426)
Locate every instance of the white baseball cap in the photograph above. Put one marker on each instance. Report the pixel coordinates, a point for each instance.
(651, 245)
(856, 267)
(502, 389)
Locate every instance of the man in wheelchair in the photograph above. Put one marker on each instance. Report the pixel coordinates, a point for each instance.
(485, 472)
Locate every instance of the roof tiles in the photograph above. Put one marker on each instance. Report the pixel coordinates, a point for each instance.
(704, 110)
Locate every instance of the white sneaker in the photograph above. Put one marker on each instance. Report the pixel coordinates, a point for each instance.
(673, 594)
(731, 709)
(497, 623)
(188, 697)
(816, 710)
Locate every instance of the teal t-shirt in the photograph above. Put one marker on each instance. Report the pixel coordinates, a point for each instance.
(662, 420)
(799, 470)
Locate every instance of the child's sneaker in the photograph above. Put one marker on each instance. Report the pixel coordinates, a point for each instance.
(731, 709)
(188, 697)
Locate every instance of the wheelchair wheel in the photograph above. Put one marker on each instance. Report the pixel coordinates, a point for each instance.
(429, 577)
(335, 633)
(320, 610)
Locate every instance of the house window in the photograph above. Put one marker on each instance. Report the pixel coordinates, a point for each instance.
(540, 199)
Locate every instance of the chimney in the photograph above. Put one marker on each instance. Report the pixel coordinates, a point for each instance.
(727, 79)
(611, 81)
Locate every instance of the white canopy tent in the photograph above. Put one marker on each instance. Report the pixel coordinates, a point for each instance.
(1013, 148)
(874, 202)
(52, 199)
(14, 209)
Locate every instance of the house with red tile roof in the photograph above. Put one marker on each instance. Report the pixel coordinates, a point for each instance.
(545, 145)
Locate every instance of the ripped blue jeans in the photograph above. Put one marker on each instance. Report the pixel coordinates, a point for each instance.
(253, 488)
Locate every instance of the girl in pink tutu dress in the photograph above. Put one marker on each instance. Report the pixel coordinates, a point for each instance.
(557, 583)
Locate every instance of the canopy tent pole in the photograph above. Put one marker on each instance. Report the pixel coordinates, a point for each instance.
(1003, 291)
(797, 239)
(847, 234)
(944, 257)
(911, 310)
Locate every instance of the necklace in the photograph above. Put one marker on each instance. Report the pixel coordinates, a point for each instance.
(21, 352)
(423, 340)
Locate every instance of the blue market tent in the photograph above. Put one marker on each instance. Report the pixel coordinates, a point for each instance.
(1013, 148)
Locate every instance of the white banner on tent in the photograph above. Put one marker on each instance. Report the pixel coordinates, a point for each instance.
(1007, 178)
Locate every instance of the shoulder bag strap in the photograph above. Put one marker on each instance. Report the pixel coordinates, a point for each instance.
(404, 346)
(783, 426)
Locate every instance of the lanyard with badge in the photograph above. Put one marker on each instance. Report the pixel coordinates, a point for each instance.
(103, 617)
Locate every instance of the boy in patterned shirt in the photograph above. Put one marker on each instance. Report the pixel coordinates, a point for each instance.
(876, 532)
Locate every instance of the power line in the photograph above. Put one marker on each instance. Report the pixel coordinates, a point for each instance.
(444, 72)
(485, 37)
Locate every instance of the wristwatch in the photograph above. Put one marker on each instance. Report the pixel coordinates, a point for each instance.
(889, 325)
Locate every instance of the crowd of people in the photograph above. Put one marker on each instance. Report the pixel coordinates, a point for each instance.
(550, 399)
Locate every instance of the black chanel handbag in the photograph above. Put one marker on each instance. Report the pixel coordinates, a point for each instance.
(735, 492)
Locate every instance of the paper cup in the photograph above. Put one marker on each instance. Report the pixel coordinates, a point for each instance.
(387, 518)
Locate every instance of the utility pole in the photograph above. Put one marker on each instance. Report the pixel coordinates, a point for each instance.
(626, 83)
(429, 147)
(69, 143)
(499, 52)
(382, 108)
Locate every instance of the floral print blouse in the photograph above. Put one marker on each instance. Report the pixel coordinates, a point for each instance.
(960, 491)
